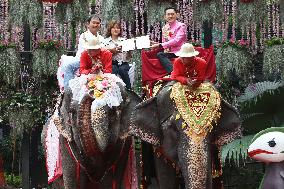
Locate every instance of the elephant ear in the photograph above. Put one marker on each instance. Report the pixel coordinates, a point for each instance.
(228, 126)
(145, 122)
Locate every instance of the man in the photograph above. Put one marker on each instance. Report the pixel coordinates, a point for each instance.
(173, 37)
(189, 69)
(95, 59)
(93, 25)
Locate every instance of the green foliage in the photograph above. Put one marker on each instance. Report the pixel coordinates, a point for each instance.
(273, 60)
(49, 44)
(13, 180)
(247, 176)
(251, 12)
(29, 11)
(236, 149)
(46, 57)
(208, 11)
(274, 41)
(155, 10)
(9, 63)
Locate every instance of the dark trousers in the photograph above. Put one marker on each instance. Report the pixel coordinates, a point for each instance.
(122, 71)
(165, 60)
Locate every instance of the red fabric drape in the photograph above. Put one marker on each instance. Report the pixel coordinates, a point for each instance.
(152, 70)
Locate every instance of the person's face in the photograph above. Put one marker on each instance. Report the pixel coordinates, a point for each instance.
(94, 52)
(187, 60)
(94, 26)
(170, 15)
(115, 30)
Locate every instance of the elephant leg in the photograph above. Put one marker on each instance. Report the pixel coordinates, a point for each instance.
(68, 167)
(194, 162)
(166, 174)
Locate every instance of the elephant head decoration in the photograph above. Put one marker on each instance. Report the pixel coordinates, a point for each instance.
(96, 150)
(159, 122)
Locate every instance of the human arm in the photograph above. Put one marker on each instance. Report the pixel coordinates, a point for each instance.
(178, 72)
(107, 61)
(81, 47)
(85, 63)
(201, 72)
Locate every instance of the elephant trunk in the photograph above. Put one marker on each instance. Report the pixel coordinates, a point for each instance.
(100, 125)
(194, 162)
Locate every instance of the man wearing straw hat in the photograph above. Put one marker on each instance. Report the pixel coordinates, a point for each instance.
(189, 69)
(95, 59)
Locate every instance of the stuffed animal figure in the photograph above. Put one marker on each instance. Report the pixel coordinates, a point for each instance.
(268, 146)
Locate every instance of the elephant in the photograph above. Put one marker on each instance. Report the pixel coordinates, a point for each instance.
(98, 143)
(155, 121)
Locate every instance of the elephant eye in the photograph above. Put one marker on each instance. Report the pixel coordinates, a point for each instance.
(272, 143)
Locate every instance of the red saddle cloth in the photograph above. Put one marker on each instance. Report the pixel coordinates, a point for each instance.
(152, 70)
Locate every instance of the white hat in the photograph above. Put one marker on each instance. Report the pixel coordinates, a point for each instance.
(93, 43)
(187, 50)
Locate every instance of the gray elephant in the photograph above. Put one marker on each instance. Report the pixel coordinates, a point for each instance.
(97, 141)
(156, 121)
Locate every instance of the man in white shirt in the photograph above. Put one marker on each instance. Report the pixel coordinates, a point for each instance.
(93, 25)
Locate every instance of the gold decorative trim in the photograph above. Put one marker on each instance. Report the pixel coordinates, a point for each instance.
(199, 108)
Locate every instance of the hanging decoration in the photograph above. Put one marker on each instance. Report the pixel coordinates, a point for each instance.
(208, 10)
(25, 11)
(117, 9)
(250, 11)
(281, 10)
(75, 11)
(273, 61)
(46, 56)
(57, 1)
(9, 63)
(155, 10)
(234, 68)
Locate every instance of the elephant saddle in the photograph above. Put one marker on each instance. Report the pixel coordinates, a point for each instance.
(198, 108)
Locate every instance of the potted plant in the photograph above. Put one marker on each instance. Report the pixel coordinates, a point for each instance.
(273, 60)
(46, 56)
(234, 65)
(9, 63)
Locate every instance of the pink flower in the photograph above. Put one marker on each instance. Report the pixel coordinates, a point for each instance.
(105, 83)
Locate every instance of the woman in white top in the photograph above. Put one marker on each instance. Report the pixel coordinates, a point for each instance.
(120, 60)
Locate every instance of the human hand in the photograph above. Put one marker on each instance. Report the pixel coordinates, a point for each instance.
(190, 82)
(155, 46)
(95, 69)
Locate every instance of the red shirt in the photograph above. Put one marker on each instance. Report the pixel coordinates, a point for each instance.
(195, 70)
(105, 58)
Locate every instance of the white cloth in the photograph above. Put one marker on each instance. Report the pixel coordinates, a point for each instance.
(112, 97)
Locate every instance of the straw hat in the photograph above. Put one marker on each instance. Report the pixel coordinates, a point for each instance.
(93, 43)
(187, 50)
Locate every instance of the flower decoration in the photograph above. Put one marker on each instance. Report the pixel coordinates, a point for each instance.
(167, 34)
(98, 85)
(239, 44)
(5, 44)
(49, 44)
(46, 56)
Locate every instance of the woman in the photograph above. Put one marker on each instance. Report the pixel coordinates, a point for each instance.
(120, 60)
